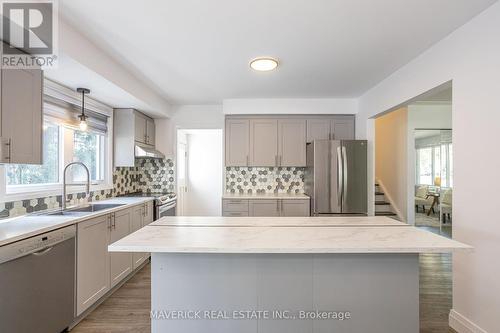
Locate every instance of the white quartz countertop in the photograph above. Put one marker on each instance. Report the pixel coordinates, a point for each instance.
(284, 239)
(218, 221)
(22, 227)
(241, 196)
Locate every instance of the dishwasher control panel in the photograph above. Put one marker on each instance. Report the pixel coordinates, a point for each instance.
(36, 243)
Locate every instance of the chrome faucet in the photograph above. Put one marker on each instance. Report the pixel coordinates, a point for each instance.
(87, 188)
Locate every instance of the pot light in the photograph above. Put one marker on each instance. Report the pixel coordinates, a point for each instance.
(264, 64)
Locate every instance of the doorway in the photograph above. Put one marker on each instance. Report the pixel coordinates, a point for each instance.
(199, 172)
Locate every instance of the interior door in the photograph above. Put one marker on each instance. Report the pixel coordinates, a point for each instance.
(354, 196)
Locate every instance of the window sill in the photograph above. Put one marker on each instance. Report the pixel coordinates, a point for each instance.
(18, 193)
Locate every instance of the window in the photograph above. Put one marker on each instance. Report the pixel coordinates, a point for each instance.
(88, 148)
(435, 162)
(48, 172)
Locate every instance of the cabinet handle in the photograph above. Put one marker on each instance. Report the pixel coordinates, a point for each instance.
(280, 160)
(114, 220)
(247, 161)
(6, 150)
(276, 160)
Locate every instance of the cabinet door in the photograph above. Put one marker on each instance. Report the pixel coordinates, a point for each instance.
(150, 132)
(318, 129)
(137, 222)
(343, 128)
(148, 214)
(294, 207)
(120, 262)
(264, 208)
(92, 261)
(237, 142)
(263, 142)
(140, 128)
(292, 142)
(21, 114)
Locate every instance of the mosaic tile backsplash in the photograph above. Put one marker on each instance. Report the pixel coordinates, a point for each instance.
(264, 180)
(149, 175)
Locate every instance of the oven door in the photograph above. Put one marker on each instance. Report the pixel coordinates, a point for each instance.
(168, 209)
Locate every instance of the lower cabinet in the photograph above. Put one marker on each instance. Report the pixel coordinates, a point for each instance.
(92, 264)
(265, 207)
(97, 270)
(120, 262)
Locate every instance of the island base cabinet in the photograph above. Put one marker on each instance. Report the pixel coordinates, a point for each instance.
(376, 293)
(92, 261)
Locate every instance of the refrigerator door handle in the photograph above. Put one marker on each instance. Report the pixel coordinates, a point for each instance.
(344, 175)
(340, 176)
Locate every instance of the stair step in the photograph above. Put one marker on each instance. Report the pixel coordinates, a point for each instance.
(381, 203)
(385, 214)
(379, 193)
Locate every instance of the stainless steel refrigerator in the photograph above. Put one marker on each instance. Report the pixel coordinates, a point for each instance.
(336, 177)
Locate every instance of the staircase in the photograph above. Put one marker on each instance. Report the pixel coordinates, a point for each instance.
(382, 207)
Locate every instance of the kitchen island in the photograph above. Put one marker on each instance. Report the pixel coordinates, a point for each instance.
(311, 274)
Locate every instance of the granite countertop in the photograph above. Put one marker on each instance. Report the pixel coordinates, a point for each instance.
(22, 227)
(217, 221)
(276, 238)
(301, 196)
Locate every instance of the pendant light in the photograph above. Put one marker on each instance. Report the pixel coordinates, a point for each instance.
(83, 118)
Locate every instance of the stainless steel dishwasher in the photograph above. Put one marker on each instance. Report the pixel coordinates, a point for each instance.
(37, 283)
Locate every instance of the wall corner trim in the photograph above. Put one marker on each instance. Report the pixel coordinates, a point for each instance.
(461, 324)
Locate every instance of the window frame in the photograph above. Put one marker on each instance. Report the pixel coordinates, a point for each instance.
(66, 137)
(449, 177)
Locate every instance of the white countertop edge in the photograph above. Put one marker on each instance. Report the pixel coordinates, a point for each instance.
(166, 250)
(68, 220)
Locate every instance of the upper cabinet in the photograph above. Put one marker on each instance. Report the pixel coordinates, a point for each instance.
(144, 129)
(291, 142)
(330, 128)
(237, 142)
(21, 116)
(263, 142)
(280, 141)
(131, 128)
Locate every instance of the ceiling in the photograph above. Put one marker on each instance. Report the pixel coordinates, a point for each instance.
(197, 51)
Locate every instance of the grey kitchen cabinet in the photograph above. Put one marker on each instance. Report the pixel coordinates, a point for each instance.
(120, 262)
(342, 128)
(148, 213)
(137, 222)
(295, 207)
(237, 137)
(150, 132)
(263, 142)
(130, 129)
(330, 128)
(21, 116)
(92, 269)
(140, 124)
(292, 142)
(264, 207)
(318, 129)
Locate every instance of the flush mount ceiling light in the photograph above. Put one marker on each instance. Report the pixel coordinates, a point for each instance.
(83, 118)
(264, 64)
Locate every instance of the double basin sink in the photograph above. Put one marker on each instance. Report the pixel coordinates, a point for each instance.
(83, 210)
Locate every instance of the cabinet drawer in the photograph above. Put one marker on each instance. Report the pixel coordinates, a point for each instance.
(235, 205)
(234, 214)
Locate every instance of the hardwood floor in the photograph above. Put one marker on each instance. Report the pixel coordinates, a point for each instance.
(127, 310)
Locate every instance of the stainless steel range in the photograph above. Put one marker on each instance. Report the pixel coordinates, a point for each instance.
(164, 204)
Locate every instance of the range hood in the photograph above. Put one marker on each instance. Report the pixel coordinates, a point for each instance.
(147, 151)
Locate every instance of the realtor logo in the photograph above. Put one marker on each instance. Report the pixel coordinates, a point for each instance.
(28, 33)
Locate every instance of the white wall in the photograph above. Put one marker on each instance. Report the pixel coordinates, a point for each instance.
(428, 116)
(391, 158)
(204, 173)
(291, 106)
(470, 57)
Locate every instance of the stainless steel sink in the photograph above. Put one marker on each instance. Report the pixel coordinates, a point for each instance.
(94, 207)
(91, 208)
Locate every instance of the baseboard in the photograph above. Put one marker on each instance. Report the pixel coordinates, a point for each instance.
(463, 325)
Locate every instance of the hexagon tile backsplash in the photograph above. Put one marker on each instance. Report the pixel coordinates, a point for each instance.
(264, 180)
(148, 175)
